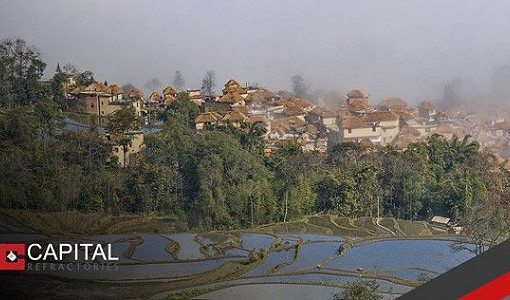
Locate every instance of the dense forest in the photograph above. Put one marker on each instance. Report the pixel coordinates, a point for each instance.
(221, 178)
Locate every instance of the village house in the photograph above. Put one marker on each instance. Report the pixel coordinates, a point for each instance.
(208, 118)
(357, 101)
(126, 146)
(379, 127)
(100, 99)
(154, 99)
(427, 110)
(169, 94)
(233, 96)
(235, 118)
(397, 106)
(195, 96)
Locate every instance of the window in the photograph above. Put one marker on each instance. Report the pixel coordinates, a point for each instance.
(349, 130)
(373, 128)
(92, 105)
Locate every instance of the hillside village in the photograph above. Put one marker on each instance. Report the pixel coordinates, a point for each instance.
(289, 118)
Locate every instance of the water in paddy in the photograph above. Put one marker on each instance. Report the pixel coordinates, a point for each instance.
(139, 271)
(397, 255)
(272, 260)
(152, 248)
(236, 252)
(255, 241)
(109, 238)
(21, 237)
(312, 254)
(318, 278)
(189, 248)
(309, 237)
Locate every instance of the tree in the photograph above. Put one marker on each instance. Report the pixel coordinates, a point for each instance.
(58, 92)
(208, 84)
(123, 120)
(298, 86)
(360, 290)
(21, 68)
(70, 69)
(126, 88)
(178, 81)
(85, 78)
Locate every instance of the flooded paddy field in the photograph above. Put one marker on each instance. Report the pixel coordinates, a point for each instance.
(319, 254)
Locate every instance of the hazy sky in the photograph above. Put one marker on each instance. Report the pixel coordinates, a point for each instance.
(405, 48)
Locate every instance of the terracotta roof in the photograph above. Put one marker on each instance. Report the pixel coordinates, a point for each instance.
(231, 98)
(427, 105)
(358, 104)
(353, 122)
(208, 117)
(356, 94)
(240, 108)
(155, 96)
(293, 109)
(329, 114)
(256, 119)
(393, 103)
(233, 87)
(135, 94)
(113, 89)
(254, 97)
(288, 122)
(234, 116)
(380, 116)
(317, 110)
(169, 90)
(95, 87)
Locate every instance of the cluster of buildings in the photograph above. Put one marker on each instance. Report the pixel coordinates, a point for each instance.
(313, 127)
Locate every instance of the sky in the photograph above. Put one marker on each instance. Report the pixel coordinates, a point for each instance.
(406, 48)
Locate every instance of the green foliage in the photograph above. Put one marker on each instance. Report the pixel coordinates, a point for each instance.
(220, 178)
(123, 120)
(21, 68)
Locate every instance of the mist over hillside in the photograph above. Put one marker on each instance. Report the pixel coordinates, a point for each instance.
(444, 51)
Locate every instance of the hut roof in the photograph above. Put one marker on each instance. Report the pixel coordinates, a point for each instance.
(356, 94)
(231, 98)
(380, 116)
(353, 122)
(257, 119)
(392, 103)
(113, 89)
(135, 94)
(169, 90)
(95, 87)
(155, 96)
(233, 86)
(208, 117)
(234, 116)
